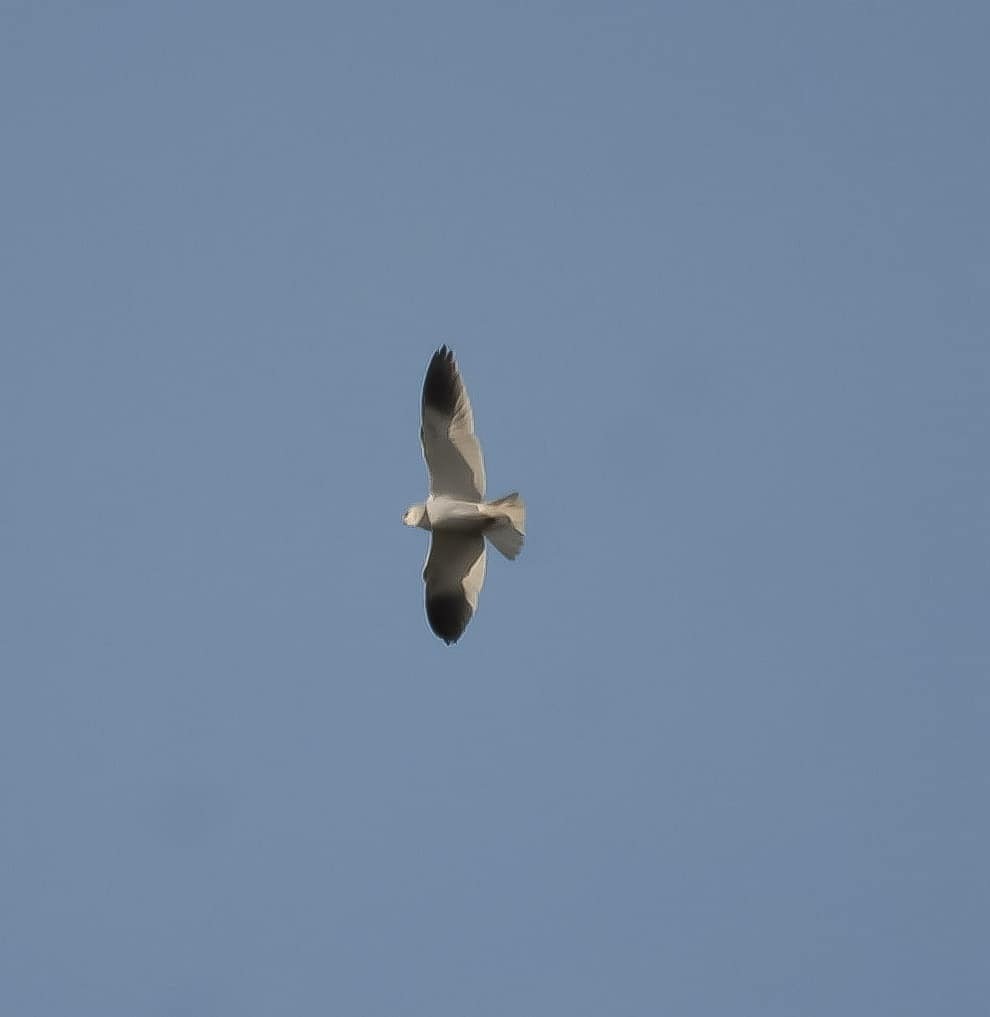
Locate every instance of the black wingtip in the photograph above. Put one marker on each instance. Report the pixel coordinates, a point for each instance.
(448, 615)
(440, 385)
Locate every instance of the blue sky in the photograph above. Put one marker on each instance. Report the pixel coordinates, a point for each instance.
(718, 278)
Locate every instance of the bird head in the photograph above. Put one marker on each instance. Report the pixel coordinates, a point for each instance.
(415, 515)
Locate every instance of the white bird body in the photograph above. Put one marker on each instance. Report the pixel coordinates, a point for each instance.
(445, 513)
(456, 512)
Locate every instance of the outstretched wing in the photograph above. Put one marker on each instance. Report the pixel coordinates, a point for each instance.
(450, 446)
(455, 570)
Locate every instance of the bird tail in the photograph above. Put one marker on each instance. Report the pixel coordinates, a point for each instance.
(508, 529)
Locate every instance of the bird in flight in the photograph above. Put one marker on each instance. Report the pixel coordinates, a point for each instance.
(456, 513)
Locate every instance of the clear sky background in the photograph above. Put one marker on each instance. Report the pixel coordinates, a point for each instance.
(718, 278)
